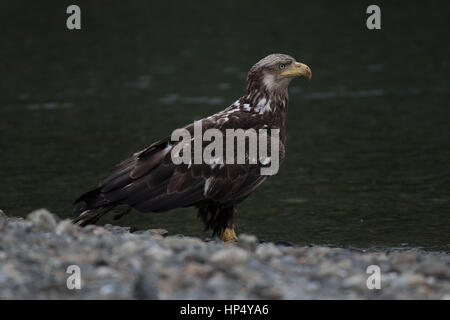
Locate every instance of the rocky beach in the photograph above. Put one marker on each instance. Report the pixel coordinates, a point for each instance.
(38, 254)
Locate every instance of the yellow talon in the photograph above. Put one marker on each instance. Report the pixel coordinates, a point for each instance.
(229, 235)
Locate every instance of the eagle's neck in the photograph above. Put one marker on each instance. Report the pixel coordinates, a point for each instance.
(270, 104)
(263, 92)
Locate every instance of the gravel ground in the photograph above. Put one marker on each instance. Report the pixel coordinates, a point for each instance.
(36, 252)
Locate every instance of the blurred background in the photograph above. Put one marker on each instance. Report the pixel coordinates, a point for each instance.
(368, 144)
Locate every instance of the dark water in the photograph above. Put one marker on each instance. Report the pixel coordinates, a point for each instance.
(368, 147)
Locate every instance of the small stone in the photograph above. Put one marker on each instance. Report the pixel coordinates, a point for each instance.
(330, 268)
(99, 231)
(3, 220)
(145, 287)
(405, 257)
(230, 257)
(107, 290)
(117, 229)
(43, 219)
(128, 247)
(413, 278)
(11, 270)
(356, 281)
(158, 253)
(217, 283)
(89, 228)
(105, 272)
(437, 269)
(248, 241)
(161, 232)
(66, 227)
(197, 269)
(267, 250)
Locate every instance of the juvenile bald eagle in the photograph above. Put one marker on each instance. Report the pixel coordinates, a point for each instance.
(150, 181)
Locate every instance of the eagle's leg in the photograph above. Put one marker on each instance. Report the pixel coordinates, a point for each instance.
(228, 235)
(219, 219)
(226, 223)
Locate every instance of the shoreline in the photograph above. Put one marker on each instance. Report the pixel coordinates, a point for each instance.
(37, 252)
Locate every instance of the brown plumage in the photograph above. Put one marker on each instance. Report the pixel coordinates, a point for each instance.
(149, 181)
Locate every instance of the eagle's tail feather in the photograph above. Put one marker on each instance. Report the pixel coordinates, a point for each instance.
(91, 206)
(91, 216)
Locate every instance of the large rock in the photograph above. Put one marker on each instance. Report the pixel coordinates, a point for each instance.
(43, 219)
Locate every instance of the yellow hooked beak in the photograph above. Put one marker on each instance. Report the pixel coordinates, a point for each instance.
(297, 69)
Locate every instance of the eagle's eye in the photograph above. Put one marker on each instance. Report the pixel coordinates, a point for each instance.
(281, 66)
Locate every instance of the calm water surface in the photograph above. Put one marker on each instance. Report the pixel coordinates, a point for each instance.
(368, 148)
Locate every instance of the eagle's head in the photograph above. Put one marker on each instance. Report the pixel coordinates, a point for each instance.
(274, 73)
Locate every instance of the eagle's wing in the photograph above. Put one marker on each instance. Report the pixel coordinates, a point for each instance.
(150, 181)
